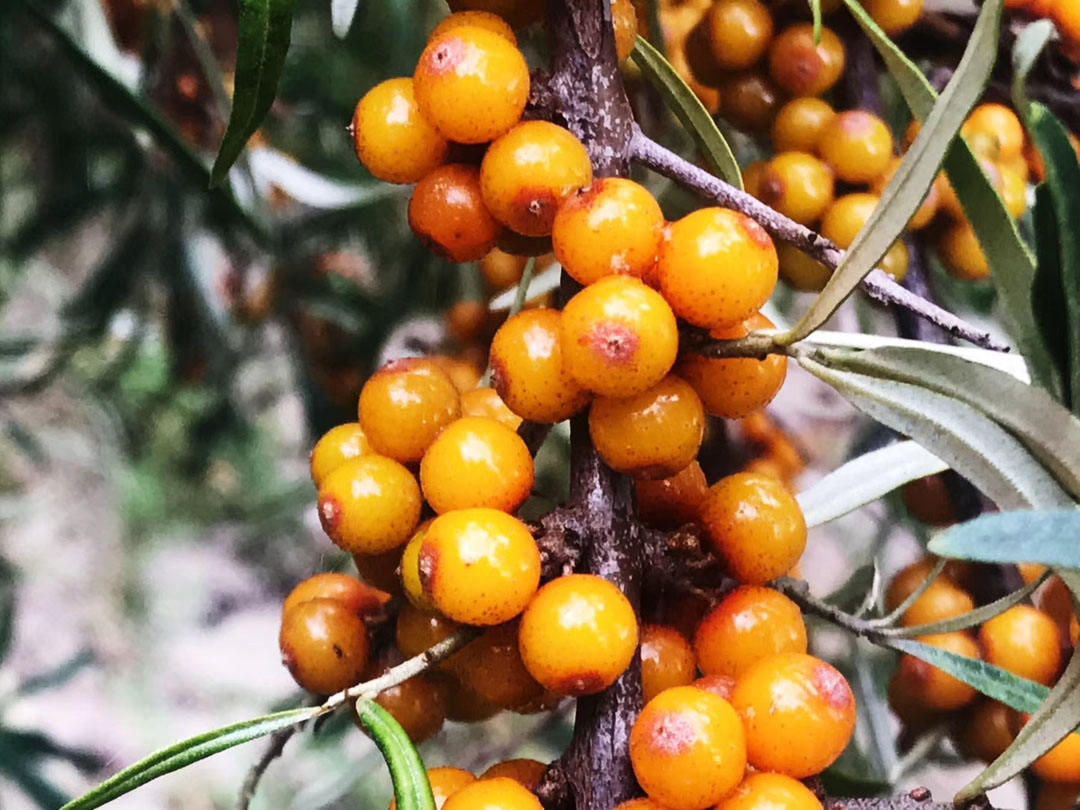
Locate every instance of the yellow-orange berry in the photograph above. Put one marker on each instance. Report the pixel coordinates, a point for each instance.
(734, 387)
(468, 707)
(391, 138)
(463, 373)
(941, 600)
(369, 505)
(932, 687)
(528, 173)
(466, 321)
(770, 791)
(959, 249)
(445, 782)
(847, 216)
(1058, 796)
(410, 570)
(799, 123)
(669, 503)
(720, 685)
(749, 100)
(528, 371)
(612, 226)
(471, 84)
(380, 570)
(519, 13)
(486, 402)
(1013, 190)
(447, 214)
(801, 67)
(987, 730)
(801, 271)
(666, 660)
(357, 596)
(1074, 630)
(717, 267)
(578, 635)
(895, 261)
(798, 185)
(419, 704)
(502, 270)
(527, 772)
(417, 630)
(618, 336)
(624, 19)
(644, 803)
(337, 445)
(799, 714)
(749, 624)
(857, 145)
(1061, 763)
(479, 566)
(492, 667)
(755, 525)
(1025, 641)
(688, 748)
(1066, 15)
(751, 177)
(930, 204)
(405, 405)
(324, 645)
(475, 19)
(499, 793)
(994, 132)
(739, 32)
(894, 16)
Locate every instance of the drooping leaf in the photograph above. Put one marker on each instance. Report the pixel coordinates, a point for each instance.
(909, 185)
(1048, 537)
(411, 788)
(265, 30)
(688, 108)
(865, 479)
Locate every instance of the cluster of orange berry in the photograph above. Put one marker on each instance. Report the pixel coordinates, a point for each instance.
(1064, 13)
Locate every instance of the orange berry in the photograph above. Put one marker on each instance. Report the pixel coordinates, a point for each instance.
(799, 123)
(447, 214)
(1013, 190)
(669, 503)
(941, 600)
(445, 782)
(624, 19)
(486, 403)
(410, 570)
(519, 13)
(931, 687)
(417, 630)
(739, 32)
(471, 84)
(1074, 630)
(755, 525)
(612, 226)
(963, 256)
(405, 405)
(369, 505)
(528, 371)
(463, 373)
(666, 660)
(324, 645)
(337, 445)
(492, 667)
(688, 748)
(857, 145)
(801, 67)
(391, 138)
(419, 704)
(618, 336)
(720, 685)
(749, 100)
(479, 566)
(1024, 641)
(578, 635)
(717, 267)
(749, 624)
(641, 804)
(380, 570)
(466, 321)
(950, 202)
(499, 793)
(799, 714)
(930, 204)
(894, 16)
(993, 131)
(751, 177)
(928, 500)
(846, 217)
(1058, 796)
(987, 730)
(1066, 16)
(770, 791)
(502, 270)
(528, 772)
(733, 387)
(475, 19)
(468, 707)
(528, 173)
(801, 271)
(357, 596)
(1061, 763)
(798, 185)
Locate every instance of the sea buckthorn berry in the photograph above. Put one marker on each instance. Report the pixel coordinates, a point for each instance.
(475, 19)
(749, 100)
(1013, 190)
(527, 772)
(987, 730)
(654, 434)
(405, 405)
(669, 503)
(1057, 796)
(476, 462)
(613, 226)
(751, 177)
(499, 793)
(688, 748)
(391, 138)
(644, 803)
(717, 267)
(699, 54)
(950, 202)
(1024, 641)
(749, 624)
(895, 261)
(798, 185)
(683, 611)
(578, 635)
(739, 32)
(770, 791)
(618, 336)
(492, 667)
(993, 131)
(799, 123)
(932, 687)
(528, 173)
(502, 270)
(1061, 763)
(480, 566)
(1055, 600)
(471, 84)
(720, 685)
(466, 321)
(799, 714)
(468, 707)
(337, 445)
(666, 660)
(908, 707)
(410, 570)
(943, 599)
(369, 505)
(930, 204)
(324, 645)
(380, 570)
(708, 96)
(419, 704)
(801, 67)
(894, 16)
(463, 373)
(624, 19)
(755, 525)
(801, 271)
(417, 630)
(357, 596)
(1066, 15)
(847, 216)
(929, 501)
(447, 214)
(1074, 630)
(857, 145)
(485, 402)
(959, 249)
(518, 13)
(445, 782)
(528, 371)
(734, 387)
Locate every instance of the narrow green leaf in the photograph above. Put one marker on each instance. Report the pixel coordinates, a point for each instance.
(1048, 537)
(411, 788)
(1046, 295)
(265, 30)
(185, 753)
(969, 442)
(688, 108)
(909, 185)
(972, 618)
(1050, 432)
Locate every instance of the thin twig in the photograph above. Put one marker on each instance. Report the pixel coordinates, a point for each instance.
(275, 745)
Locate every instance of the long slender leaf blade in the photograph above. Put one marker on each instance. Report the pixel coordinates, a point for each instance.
(972, 618)
(689, 110)
(412, 791)
(1045, 536)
